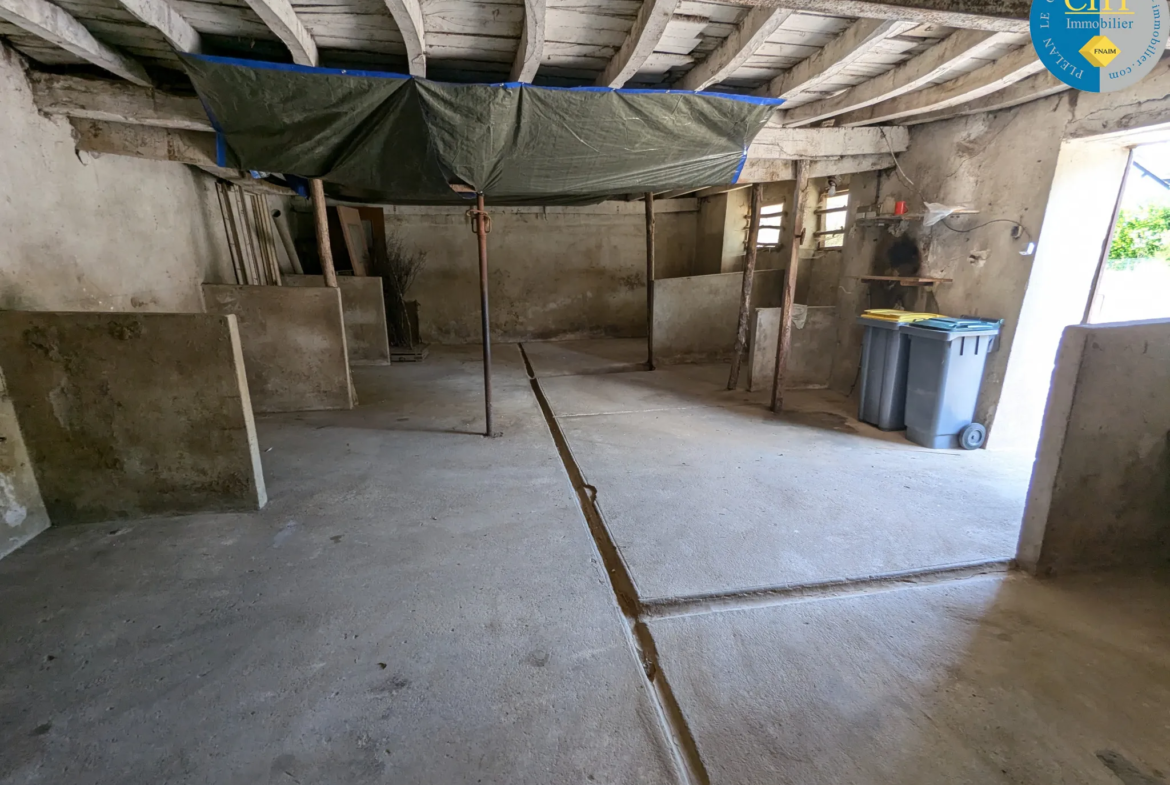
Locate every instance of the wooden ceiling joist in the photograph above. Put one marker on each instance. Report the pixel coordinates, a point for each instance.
(408, 16)
(845, 50)
(159, 15)
(981, 82)
(531, 49)
(749, 35)
(649, 25)
(282, 20)
(50, 22)
(911, 75)
(1033, 88)
(1001, 16)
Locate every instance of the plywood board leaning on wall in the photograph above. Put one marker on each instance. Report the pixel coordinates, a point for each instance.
(363, 307)
(22, 512)
(294, 344)
(133, 415)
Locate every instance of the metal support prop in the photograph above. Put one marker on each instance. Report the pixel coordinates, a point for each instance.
(784, 342)
(649, 281)
(324, 250)
(481, 224)
(745, 298)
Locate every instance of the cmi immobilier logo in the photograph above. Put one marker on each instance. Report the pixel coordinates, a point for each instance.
(1099, 45)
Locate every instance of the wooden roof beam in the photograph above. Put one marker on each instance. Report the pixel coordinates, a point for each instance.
(749, 35)
(283, 21)
(649, 24)
(47, 21)
(981, 82)
(852, 45)
(1001, 16)
(119, 102)
(531, 50)
(911, 75)
(159, 15)
(409, 19)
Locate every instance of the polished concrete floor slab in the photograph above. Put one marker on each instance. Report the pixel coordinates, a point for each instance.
(985, 681)
(706, 491)
(416, 604)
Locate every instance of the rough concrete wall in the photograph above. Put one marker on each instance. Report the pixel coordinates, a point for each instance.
(712, 221)
(364, 311)
(294, 345)
(695, 318)
(735, 230)
(133, 415)
(22, 512)
(554, 273)
(83, 233)
(1001, 164)
(1100, 494)
(814, 335)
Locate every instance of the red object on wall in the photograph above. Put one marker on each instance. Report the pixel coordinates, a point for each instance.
(899, 208)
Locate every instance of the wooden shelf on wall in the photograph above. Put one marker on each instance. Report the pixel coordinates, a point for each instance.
(885, 219)
(914, 281)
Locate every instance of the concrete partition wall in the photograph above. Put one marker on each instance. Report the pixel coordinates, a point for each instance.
(695, 318)
(363, 308)
(814, 339)
(1100, 494)
(294, 345)
(22, 512)
(132, 415)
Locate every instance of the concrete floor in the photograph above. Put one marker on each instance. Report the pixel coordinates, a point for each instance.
(418, 604)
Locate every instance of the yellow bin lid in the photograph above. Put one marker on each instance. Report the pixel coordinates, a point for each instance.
(902, 317)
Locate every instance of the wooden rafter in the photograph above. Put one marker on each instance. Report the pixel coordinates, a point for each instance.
(981, 82)
(912, 75)
(283, 22)
(649, 24)
(409, 18)
(47, 21)
(159, 15)
(858, 40)
(1033, 88)
(531, 49)
(749, 35)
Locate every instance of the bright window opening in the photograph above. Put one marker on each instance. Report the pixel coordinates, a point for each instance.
(771, 220)
(831, 233)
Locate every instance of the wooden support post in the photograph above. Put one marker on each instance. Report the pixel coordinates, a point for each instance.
(745, 299)
(784, 341)
(482, 225)
(649, 281)
(324, 250)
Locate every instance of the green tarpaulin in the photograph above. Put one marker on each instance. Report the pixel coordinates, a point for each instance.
(392, 139)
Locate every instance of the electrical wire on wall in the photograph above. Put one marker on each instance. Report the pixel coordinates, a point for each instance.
(1017, 227)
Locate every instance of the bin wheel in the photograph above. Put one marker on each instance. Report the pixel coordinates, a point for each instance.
(972, 436)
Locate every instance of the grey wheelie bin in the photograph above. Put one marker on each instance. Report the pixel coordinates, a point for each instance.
(885, 354)
(947, 358)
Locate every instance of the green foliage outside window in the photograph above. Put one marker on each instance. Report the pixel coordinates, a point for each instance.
(1140, 235)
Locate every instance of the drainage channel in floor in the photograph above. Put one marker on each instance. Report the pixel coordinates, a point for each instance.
(638, 612)
(683, 749)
